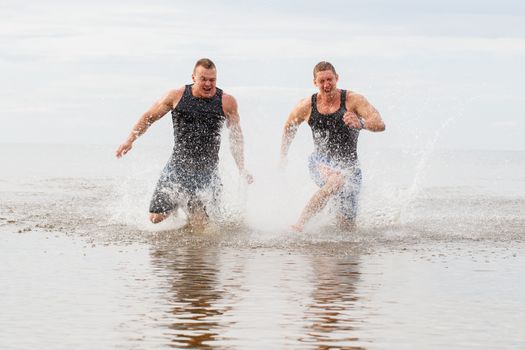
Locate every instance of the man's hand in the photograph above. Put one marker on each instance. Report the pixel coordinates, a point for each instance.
(123, 149)
(283, 163)
(352, 120)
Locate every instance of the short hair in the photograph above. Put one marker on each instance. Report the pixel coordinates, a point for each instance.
(322, 66)
(204, 62)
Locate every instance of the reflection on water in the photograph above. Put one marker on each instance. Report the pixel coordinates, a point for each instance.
(226, 298)
(59, 293)
(330, 319)
(194, 296)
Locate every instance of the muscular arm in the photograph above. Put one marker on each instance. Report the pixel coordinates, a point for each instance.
(236, 137)
(154, 113)
(298, 115)
(358, 105)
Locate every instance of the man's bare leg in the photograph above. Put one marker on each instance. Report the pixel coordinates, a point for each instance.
(318, 201)
(345, 224)
(198, 219)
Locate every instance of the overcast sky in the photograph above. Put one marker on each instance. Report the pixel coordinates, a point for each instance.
(84, 71)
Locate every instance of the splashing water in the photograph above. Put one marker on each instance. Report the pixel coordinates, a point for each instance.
(405, 194)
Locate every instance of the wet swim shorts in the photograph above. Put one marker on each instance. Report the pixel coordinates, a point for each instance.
(179, 187)
(346, 200)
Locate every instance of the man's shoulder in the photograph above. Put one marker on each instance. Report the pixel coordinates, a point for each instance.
(228, 100)
(352, 95)
(304, 106)
(301, 111)
(180, 90)
(305, 103)
(229, 105)
(173, 96)
(176, 93)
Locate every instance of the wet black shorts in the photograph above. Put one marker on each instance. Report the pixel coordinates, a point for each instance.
(179, 187)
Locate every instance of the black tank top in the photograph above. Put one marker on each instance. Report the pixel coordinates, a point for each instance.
(332, 138)
(197, 125)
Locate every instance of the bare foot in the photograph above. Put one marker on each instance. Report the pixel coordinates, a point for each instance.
(198, 220)
(347, 226)
(193, 228)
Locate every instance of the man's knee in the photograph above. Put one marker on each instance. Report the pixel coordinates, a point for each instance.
(156, 218)
(335, 182)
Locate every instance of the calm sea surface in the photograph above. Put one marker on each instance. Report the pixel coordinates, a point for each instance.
(437, 261)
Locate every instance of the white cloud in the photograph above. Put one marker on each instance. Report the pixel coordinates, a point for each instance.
(504, 124)
(138, 32)
(88, 60)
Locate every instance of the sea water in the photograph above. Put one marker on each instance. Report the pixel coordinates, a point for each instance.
(436, 261)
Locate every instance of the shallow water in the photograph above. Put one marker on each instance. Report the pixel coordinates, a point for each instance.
(437, 260)
(62, 292)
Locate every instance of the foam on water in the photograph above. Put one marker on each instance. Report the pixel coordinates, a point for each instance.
(411, 193)
(115, 208)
